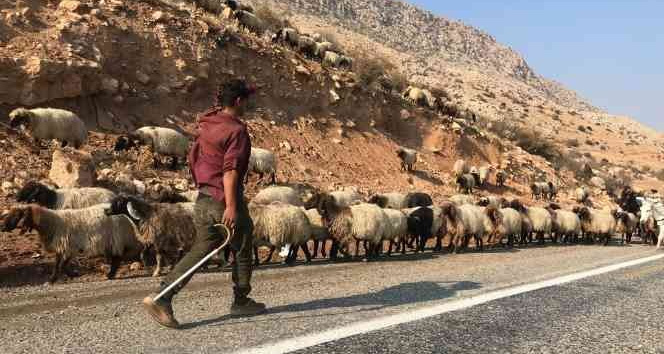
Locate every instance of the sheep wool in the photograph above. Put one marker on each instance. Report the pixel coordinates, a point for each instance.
(286, 195)
(164, 141)
(263, 161)
(397, 225)
(51, 123)
(90, 231)
(277, 225)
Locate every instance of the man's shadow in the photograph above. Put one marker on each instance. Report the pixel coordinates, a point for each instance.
(406, 293)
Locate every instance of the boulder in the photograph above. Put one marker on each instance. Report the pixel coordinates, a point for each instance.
(72, 168)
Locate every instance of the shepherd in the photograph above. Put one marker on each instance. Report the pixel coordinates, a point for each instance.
(218, 161)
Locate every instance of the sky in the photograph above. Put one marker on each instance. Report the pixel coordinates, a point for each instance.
(611, 52)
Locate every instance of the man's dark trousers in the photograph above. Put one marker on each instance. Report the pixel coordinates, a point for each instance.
(208, 212)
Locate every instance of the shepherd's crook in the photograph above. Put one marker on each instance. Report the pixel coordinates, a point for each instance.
(199, 264)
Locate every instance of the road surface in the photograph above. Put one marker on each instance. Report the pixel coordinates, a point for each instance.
(334, 306)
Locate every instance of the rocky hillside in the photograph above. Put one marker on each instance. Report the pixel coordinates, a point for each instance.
(121, 65)
(429, 38)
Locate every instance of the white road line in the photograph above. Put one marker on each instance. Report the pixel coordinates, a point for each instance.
(298, 343)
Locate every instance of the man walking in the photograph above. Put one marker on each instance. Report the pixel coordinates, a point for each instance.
(218, 161)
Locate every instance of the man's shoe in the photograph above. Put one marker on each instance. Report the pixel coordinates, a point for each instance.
(161, 311)
(247, 309)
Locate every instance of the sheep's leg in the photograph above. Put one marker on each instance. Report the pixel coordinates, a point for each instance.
(57, 267)
(315, 245)
(357, 248)
(403, 247)
(389, 250)
(256, 259)
(307, 255)
(660, 238)
(334, 250)
(274, 178)
(155, 161)
(115, 264)
(606, 239)
(269, 256)
(174, 163)
(323, 252)
(439, 244)
(157, 269)
(292, 254)
(479, 242)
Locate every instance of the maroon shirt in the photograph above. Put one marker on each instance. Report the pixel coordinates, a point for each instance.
(222, 145)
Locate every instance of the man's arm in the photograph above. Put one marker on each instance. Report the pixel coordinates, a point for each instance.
(231, 180)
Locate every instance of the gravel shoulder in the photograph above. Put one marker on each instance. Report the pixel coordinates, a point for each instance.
(106, 316)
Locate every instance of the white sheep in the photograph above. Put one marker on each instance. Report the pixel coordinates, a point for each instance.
(466, 183)
(346, 198)
(359, 222)
(319, 231)
(565, 224)
(463, 222)
(51, 123)
(484, 173)
(415, 96)
(162, 141)
(70, 232)
(408, 158)
(322, 48)
(493, 201)
(335, 60)
(581, 195)
(249, 21)
(279, 225)
(627, 225)
(67, 198)
(461, 199)
(460, 168)
(597, 223)
(282, 194)
(392, 200)
(262, 162)
(397, 227)
(539, 218)
(509, 223)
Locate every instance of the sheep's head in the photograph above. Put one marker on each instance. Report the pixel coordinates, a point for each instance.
(19, 116)
(554, 206)
(583, 213)
(20, 218)
(534, 188)
(494, 215)
(35, 192)
(379, 200)
(518, 206)
(327, 206)
(461, 180)
(484, 202)
(232, 4)
(133, 207)
(125, 143)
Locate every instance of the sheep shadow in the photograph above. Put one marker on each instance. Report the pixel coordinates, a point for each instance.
(402, 294)
(423, 175)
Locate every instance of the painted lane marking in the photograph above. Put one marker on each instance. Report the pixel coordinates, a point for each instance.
(310, 340)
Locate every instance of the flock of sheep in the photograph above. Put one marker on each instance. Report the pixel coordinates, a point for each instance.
(98, 222)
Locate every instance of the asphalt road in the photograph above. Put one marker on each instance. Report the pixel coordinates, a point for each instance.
(619, 312)
(614, 311)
